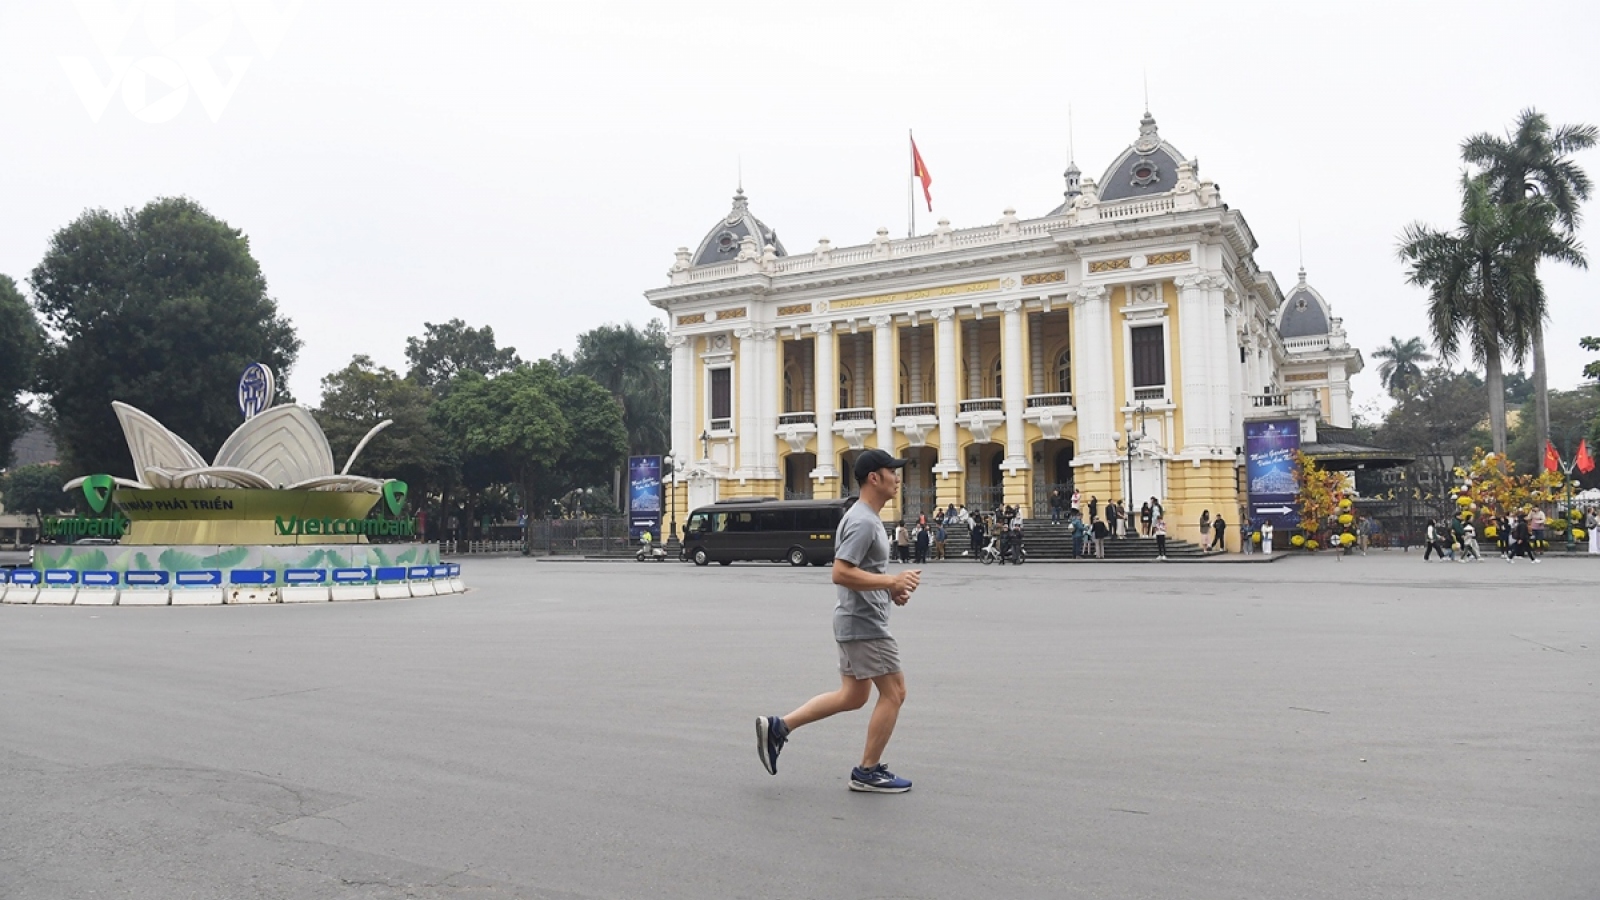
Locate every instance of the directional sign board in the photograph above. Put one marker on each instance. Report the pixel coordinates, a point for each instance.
(25, 576)
(391, 573)
(305, 576)
(150, 578)
(419, 573)
(201, 578)
(352, 576)
(100, 579)
(253, 576)
(57, 577)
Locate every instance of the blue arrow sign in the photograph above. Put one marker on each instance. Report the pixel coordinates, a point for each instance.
(201, 578)
(253, 576)
(100, 579)
(419, 572)
(60, 576)
(305, 576)
(391, 573)
(5, 575)
(351, 576)
(153, 578)
(25, 576)
(439, 572)
(455, 569)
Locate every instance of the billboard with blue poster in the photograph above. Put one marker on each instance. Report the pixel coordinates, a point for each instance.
(644, 496)
(1269, 448)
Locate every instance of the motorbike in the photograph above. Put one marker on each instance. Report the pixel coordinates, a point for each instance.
(991, 554)
(649, 550)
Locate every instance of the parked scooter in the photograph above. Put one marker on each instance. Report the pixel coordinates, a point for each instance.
(649, 550)
(991, 553)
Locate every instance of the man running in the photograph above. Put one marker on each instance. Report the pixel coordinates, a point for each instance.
(868, 654)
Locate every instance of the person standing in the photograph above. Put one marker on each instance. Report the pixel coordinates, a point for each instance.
(1094, 507)
(1536, 523)
(902, 543)
(868, 654)
(1219, 529)
(1247, 533)
(1592, 525)
(1431, 543)
(1266, 536)
(1099, 530)
(1205, 530)
(1114, 518)
(978, 535)
(1160, 527)
(1055, 506)
(924, 539)
(939, 536)
(1144, 519)
(1469, 543)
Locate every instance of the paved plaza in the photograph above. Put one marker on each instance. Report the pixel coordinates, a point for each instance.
(1312, 728)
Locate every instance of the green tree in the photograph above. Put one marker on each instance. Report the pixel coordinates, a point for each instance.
(508, 429)
(1591, 370)
(635, 367)
(20, 342)
(598, 448)
(1439, 422)
(30, 489)
(1574, 416)
(448, 350)
(1534, 160)
(1478, 279)
(1402, 365)
(358, 397)
(161, 308)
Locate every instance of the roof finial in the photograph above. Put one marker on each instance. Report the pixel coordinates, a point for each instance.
(1300, 234)
(1147, 93)
(741, 173)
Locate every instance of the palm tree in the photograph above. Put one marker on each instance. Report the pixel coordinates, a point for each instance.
(1533, 161)
(1481, 281)
(1401, 370)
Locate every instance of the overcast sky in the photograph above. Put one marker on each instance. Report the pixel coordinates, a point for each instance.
(532, 166)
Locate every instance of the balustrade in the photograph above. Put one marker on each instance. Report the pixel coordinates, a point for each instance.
(798, 418)
(985, 404)
(906, 410)
(854, 414)
(1038, 400)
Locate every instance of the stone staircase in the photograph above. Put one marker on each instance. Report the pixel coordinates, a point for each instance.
(1046, 541)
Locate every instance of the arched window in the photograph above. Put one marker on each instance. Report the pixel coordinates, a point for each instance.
(1064, 372)
(999, 378)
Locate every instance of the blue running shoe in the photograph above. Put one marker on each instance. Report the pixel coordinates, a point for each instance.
(771, 734)
(878, 780)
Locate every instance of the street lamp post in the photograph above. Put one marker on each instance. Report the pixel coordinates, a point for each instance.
(1142, 411)
(672, 499)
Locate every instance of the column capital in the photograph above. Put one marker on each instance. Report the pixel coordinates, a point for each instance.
(881, 321)
(944, 313)
(1192, 282)
(1087, 294)
(756, 334)
(822, 328)
(674, 341)
(1009, 305)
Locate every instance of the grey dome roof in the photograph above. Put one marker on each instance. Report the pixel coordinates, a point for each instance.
(1304, 312)
(721, 243)
(1150, 166)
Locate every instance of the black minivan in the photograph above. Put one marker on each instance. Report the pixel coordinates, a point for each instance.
(763, 528)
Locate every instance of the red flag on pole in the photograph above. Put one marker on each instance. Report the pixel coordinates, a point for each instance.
(1585, 461)
(919, 171)
(1552, 459)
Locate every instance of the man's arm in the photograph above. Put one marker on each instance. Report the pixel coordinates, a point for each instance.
(899, 585)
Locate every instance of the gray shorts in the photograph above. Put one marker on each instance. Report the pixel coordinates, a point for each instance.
(869, 659)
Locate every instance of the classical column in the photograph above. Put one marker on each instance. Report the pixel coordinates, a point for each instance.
(1036, 353)
(1194, 328)
(769, 386)
(916, 365)
(1091, 367)
(827, 392)
(1013, 365)
(883, 380)
(946, 367)
(972, 343)
(1224, 355)
(860, 377)
(747, 402)
(684, 445)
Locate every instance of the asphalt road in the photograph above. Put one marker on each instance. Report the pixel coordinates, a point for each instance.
(1313, 728)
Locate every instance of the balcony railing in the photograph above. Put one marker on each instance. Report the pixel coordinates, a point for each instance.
(798, 418)
(1150, 393)
(854, 414)
(720, 425)
(1264, 401)
(985, 404)
(905, 410)
(1061, 399)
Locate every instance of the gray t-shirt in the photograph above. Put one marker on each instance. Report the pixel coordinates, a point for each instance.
(862, 542)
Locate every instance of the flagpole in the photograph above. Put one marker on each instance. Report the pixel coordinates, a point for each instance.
(911, 190)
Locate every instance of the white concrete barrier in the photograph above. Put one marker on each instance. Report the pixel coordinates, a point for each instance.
(251, 593)
(20, 593)
(457, 586)
(354, 592)
(197, 596)
(423, 589)
(57, 596)
(308, 594)
(144, 597)
(395, 590)
(96, 597)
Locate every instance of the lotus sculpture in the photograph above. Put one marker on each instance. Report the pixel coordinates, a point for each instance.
(283, 448)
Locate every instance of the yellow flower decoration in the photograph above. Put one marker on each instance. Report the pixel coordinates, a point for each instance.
(1298, 540)
(1346, 519)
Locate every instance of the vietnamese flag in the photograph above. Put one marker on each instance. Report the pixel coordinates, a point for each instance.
(919, 171)
(1552, 459)
(1585, 461)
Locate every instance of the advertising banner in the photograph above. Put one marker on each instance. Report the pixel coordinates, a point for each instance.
(1269, 448)
(644, 496)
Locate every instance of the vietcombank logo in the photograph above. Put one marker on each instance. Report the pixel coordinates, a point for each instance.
(97, 493)
(394, 497)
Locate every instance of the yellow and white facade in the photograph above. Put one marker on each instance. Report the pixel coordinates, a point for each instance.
(1116, 344)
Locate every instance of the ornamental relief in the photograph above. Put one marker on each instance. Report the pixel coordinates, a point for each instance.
(796, 309)
(1110, 265)
(1043, 278)
(737, 312)
(1169, 258)
(692, 319)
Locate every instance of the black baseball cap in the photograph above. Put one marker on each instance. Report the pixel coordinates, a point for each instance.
(873, 460)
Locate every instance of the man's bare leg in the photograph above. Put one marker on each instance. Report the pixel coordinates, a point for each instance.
(891, 695)
(852, 694)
